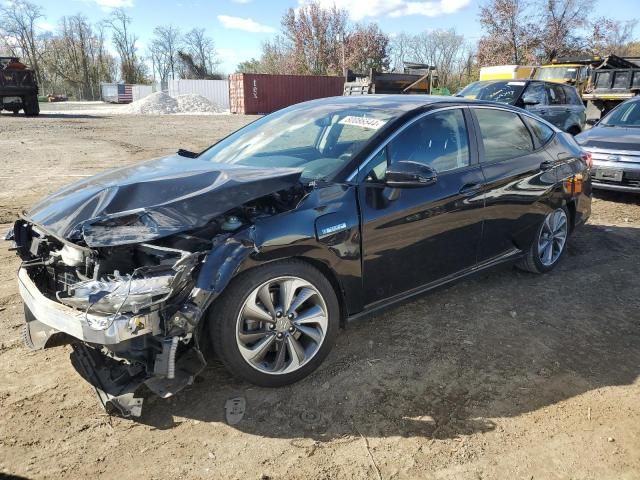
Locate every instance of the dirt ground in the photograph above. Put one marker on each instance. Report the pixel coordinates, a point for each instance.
(505, 375)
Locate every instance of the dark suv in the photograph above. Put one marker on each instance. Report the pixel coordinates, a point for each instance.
(557, 103)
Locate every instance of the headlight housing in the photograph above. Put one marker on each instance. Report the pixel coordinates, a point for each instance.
(120, 293)
(116, 295)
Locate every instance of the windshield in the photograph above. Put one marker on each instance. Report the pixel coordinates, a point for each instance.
(626, 115)
(319, 137)
(502, 91)
(556, 73)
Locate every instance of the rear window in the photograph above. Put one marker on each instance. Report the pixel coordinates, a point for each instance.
(503, 134)
(496, 91)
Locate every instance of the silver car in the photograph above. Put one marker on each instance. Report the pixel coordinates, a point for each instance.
(614, 144)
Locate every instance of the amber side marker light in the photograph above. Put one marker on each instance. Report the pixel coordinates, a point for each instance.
(573, 185)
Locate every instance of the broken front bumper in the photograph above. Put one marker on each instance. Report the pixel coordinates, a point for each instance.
(115, 381)
(51, 317)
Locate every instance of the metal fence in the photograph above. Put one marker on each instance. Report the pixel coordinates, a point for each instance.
(215, 90)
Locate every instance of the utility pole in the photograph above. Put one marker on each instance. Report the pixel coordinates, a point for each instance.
(340, 38)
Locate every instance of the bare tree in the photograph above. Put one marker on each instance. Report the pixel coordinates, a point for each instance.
(400, 51)
(563, 23)
(612, 36)
(202, 49)
(165, 45)
(131, 68)
(18, 20)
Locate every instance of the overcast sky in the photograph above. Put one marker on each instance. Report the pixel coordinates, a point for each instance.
(239, 26)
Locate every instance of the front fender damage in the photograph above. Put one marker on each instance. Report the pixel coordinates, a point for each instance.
(117, 383)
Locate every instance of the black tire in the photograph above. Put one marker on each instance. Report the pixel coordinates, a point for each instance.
(574, 130)
(532, 262)
(30, 105)
(224, 313)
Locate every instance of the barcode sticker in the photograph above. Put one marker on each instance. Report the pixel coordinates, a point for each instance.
(364, 122)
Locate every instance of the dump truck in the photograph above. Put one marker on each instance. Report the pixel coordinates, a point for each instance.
(416, 78)
(602, 81)
(18, 87)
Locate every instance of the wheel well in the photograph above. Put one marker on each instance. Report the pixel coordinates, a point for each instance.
(335, 283)
(574, 130)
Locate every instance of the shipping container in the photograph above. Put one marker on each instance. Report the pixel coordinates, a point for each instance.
(251, 93)
(141, 91)
(217, 91)
(116, 92)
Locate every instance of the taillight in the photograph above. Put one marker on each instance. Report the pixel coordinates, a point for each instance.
(587, 159)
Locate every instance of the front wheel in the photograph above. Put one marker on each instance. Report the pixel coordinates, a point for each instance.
(275, 324)
(550, 243)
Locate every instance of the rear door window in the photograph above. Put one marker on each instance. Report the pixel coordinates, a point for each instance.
(503, 134)
(556, 95)
(571, 94)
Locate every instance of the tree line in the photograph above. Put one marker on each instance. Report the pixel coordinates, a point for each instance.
(74, 58)
(313, 40)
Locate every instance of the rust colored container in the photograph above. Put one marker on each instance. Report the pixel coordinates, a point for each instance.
(251, 93)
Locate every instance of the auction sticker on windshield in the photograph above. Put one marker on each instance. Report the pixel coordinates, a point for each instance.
(364, 122)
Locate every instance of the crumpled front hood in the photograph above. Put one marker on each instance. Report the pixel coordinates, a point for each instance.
(153, 199)
(611, 138)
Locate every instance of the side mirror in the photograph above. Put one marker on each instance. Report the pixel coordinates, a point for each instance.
(530, 100)
(407, 174)
(592, 122)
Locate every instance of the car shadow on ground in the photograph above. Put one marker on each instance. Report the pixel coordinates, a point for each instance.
(500, 344)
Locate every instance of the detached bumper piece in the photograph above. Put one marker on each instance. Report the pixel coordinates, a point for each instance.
(115, 382)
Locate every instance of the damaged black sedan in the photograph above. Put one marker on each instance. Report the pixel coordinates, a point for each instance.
(262, 246)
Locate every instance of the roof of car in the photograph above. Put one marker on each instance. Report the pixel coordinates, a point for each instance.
(401, 102)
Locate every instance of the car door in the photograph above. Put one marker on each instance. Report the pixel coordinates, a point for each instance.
(576, 111)
(534, 99)
(412, 237)
(558, 112)
(519, 175)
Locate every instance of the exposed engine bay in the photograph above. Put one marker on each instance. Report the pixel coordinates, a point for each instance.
(139, 307)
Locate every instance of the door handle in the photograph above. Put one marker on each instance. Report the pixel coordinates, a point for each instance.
(542, 112)
(470, 189)
(546, 165)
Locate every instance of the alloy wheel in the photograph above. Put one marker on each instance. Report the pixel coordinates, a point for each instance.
(553, 237)
(281, 325)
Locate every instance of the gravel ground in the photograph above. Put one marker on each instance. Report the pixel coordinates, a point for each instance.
(505, 375)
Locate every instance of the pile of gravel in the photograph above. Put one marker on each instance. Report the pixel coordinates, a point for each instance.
(194, 103)
(158, 103)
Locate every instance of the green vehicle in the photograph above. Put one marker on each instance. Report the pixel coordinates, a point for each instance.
(18, 87)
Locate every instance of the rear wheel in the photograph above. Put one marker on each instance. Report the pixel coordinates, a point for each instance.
(550, 243)
(275, 324)
(30, 105)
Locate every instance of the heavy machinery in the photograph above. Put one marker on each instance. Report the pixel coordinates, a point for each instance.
(416, 78)
(603, 82)
(18, 87)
